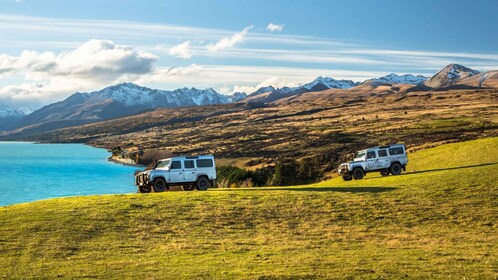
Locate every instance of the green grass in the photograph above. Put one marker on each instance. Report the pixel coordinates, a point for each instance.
(438, 221)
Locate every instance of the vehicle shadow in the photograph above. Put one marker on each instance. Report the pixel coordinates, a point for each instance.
(319, 189)
(450, 168)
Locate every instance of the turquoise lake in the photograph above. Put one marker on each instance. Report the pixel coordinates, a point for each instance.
(30, 172)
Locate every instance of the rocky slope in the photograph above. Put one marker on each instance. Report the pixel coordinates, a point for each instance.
(449, 75)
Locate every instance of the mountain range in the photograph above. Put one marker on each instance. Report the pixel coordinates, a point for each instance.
(128, 99)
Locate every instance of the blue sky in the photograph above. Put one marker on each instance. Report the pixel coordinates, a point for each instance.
(50, 49)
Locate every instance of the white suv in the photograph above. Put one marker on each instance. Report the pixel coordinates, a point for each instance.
(386, 159)
(189, 172)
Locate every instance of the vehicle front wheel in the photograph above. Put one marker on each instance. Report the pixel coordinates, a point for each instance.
(385, 172)
(347, 177)
(144, 189)
(396, 168)
(159, 185)
(203, 184)
(190, 187)
(358, 173)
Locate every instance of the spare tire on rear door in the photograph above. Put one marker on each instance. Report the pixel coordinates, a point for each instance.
(202, 183)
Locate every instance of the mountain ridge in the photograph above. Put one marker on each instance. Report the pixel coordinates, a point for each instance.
(127, 99)
(119, 101)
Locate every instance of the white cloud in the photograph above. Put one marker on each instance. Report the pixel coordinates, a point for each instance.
(92, 59)
(276, 82)
(229, 41)
(49, 76)
(183, 75)
(275, 27)
(181, 51)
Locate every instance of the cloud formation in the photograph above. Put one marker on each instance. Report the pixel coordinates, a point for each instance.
(49, 76)
(276, 82)
(181, 51)
(272, 27)
(229, 41)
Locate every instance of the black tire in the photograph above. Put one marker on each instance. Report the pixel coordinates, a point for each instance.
(396, 168)
(385, 172)
(358, 173)
(159, 185)
(202, 184)
(144, 189)
(188, 187)
(347, 177)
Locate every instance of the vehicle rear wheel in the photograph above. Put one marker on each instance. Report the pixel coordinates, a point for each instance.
(144, 189)
(159, 185)
(203, 184)
(358, 173)
(396, 168)
(190, 187)
(347, 177)
(385, 172)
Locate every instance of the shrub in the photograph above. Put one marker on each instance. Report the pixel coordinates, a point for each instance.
(234, 177)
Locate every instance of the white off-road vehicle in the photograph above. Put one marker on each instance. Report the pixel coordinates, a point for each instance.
(191, 172)
(390, 159)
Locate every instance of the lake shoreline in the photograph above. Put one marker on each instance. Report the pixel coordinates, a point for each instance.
(123, 161)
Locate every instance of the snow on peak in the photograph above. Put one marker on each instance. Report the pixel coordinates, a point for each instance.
(329, 82)
(457, 71)
(449, 75)
(130, 94)
(264, 89)
(10, 112)
(397, 79)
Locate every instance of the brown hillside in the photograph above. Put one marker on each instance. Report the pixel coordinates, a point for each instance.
(329, 123)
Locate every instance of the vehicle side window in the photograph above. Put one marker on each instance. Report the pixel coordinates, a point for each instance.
(205, 163)
(189, 164)
(371, 155)
(382, 153)
(176, 164)
(396, 151)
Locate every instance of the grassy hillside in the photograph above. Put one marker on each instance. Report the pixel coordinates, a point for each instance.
(436, 221)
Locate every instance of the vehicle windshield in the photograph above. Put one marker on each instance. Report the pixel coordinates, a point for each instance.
(162, 164)
(359, 155)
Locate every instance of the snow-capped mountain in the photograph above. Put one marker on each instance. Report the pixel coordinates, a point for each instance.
(397, 79)
(270, 94)
(130, 95)
(9, 117)
(449, 75)
(236, 96)
(10, 112)
(119, 101)
(323, 83)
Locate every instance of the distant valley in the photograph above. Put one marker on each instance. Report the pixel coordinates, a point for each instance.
(301, 123)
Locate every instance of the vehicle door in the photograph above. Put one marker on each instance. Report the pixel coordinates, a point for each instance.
(176, 172)
(189, 171)
(384, 161)
(371, 161)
